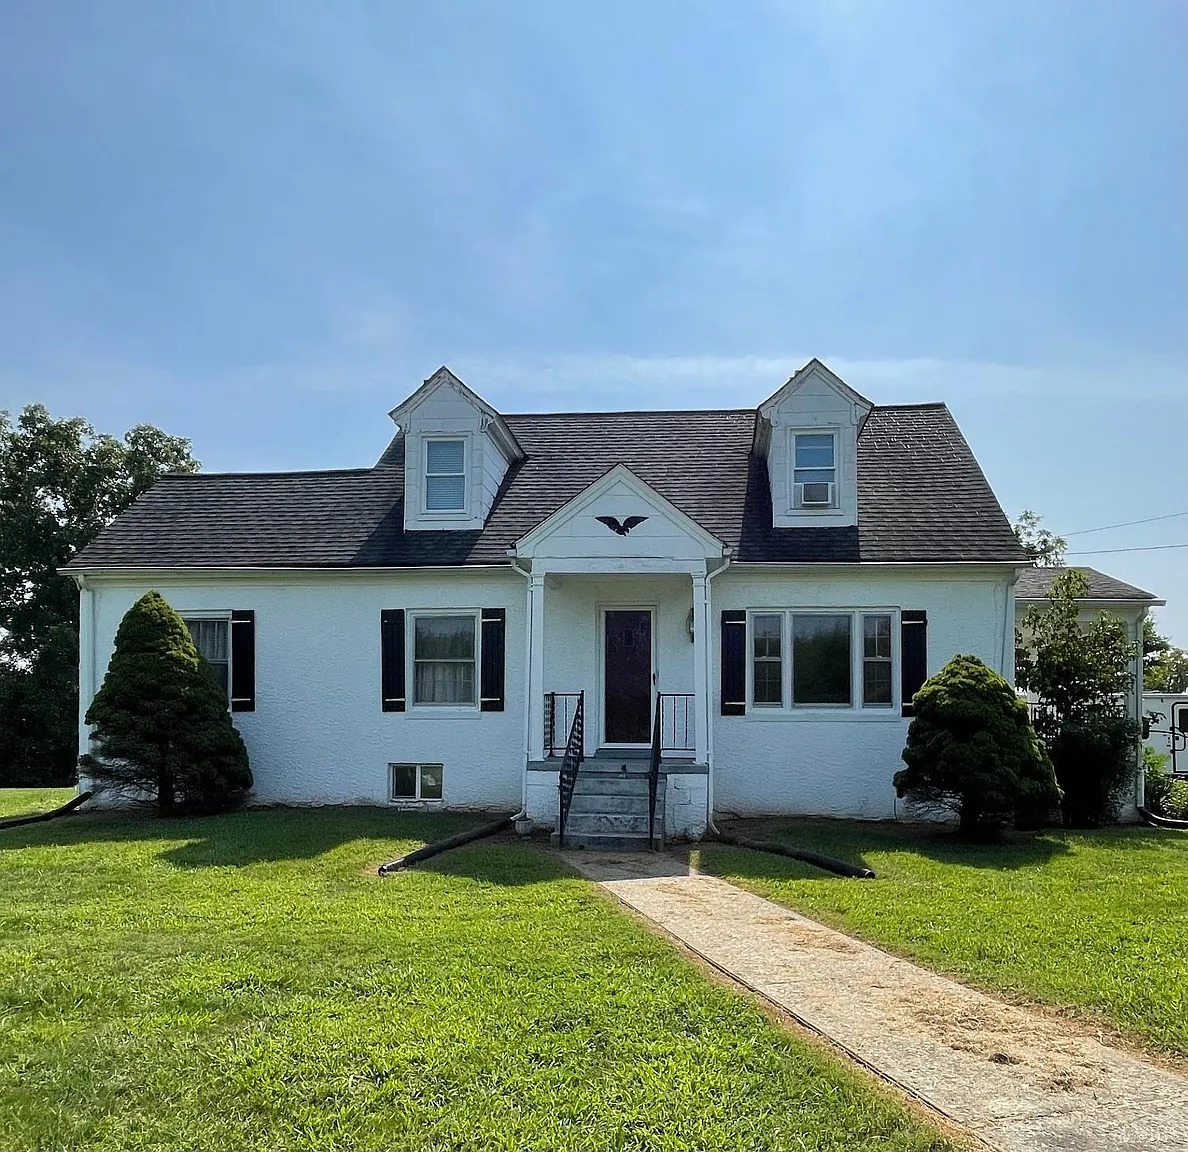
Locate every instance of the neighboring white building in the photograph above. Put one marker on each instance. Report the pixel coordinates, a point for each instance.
(775, 582)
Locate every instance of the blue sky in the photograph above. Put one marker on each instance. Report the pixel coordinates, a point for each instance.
(261, 225)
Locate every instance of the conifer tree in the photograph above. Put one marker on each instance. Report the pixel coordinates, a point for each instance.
(162, 731)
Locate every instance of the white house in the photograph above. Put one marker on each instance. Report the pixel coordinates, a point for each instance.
(760, 589)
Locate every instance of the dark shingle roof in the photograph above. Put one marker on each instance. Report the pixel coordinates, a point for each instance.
(921, 497)
(1035, 583)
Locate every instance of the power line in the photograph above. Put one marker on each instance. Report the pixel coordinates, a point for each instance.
(1128, 524)
(1149, 548)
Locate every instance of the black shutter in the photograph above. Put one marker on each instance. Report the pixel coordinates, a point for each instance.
(734, 662)
(392, 659)
(243, 661)
(913, 655)
(491, 675)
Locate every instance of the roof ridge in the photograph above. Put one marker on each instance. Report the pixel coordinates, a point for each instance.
(635, 412)
(272, 474)
(917, 405)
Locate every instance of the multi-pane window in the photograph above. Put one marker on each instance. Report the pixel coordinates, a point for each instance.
(876, 660)
(766, 637)
(212, 639)
(444, 657)
(814, 469)
(445, 475)
(820, 659)
(415, 781)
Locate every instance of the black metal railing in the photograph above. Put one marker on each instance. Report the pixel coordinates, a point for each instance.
(678, 725)
(654, 775)
(572, 761)
(559, 711)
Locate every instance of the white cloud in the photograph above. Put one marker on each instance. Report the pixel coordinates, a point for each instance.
(598, 381)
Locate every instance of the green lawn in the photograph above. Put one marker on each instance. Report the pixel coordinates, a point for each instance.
(248, 982)
(23, 801)
(1093, 922)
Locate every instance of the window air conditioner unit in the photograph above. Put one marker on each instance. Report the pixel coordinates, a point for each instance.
(818, 495)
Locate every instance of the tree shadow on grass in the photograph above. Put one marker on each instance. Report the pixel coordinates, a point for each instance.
(250, 836)
(857, 841)
(504, 859)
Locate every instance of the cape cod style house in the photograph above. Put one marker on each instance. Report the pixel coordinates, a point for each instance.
(751, 595)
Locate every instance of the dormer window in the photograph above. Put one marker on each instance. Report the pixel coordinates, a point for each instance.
(814, 470)
(445, 475)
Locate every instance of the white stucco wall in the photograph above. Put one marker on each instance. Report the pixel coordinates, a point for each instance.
(842, 764)
(318, 734)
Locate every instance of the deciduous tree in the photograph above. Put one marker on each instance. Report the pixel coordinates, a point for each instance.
(1044, 547)
(1081, 673)
(60, 484)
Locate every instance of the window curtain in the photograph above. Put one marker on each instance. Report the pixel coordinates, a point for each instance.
(444, 660)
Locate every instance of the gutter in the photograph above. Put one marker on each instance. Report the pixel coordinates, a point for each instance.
(1086, 602)
(709, 694)
(193, 570)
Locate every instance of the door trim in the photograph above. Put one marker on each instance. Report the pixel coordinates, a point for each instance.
(601, 611)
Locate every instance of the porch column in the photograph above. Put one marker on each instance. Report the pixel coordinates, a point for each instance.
(536, 598)
(86, 661)
(700, 671)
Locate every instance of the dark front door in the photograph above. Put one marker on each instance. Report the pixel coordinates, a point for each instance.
(627, 688)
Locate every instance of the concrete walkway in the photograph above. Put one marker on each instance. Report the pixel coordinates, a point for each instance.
(1019, 1081)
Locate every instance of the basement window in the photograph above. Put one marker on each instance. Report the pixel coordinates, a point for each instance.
(413, 782)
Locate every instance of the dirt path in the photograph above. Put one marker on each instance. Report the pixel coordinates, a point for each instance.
(1020, 1082)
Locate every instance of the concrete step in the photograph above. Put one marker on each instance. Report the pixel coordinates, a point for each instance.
(631, 803)
(608, 823)
(610, 785)
(607, 843)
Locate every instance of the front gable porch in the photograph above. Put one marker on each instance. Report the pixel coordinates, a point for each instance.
(617, 618)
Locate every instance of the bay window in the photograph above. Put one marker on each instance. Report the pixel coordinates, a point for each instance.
(766, 640)
(821, 659)
(876, 660)
(836, 659)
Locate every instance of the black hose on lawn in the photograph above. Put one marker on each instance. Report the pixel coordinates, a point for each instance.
(423, 853)
(38, 817)
(829, 863)
(1162, 821)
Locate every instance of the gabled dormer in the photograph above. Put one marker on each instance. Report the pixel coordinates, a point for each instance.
(457, 449)
(808, 434)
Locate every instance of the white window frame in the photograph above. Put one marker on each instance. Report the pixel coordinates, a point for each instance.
(890, 661)
(410, 661)
(855, 710)
(445, 513)
(416, 799)
(835, 497)
(217, 614)
(752, 659)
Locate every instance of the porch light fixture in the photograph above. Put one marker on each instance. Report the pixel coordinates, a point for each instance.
(689, 625)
